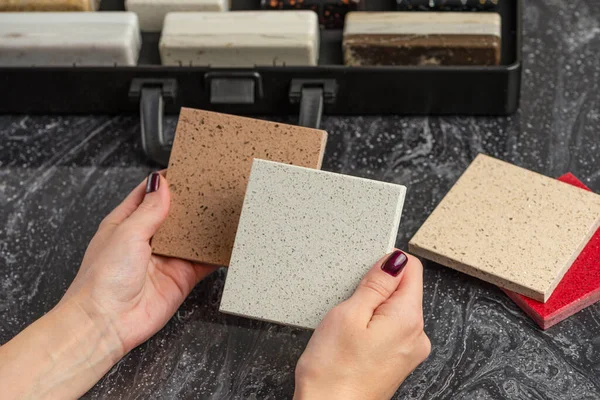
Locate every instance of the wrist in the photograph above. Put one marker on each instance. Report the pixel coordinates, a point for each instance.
(91, 328)
(64, 353)
(309, 391)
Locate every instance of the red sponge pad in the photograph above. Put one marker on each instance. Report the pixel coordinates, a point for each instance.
(579, 288)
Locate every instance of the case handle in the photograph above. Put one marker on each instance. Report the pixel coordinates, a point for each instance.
(312, 94)
(152, 94)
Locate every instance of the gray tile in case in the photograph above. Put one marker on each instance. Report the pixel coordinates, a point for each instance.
(304, 241)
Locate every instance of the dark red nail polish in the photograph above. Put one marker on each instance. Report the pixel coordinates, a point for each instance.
(153, 182)
(395, 263)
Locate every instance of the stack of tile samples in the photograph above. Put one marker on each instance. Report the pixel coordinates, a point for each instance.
(249, 194)
(533, 236)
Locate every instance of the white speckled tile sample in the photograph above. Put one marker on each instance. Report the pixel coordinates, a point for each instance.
(305, 240)
(152, 12)
(509, 226)
(69, 38)
(240, 38)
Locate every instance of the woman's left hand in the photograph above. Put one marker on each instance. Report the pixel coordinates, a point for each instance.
(121, 296)
(121, 280)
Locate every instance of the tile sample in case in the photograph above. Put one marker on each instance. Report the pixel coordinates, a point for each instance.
(450, 5)
(49, 5)
(422, 38)
(240, 39)
(331, 12)
(305, 240)
(208, 173)
(152, 12)
(509, 226)
(69, 38)
(578, 289)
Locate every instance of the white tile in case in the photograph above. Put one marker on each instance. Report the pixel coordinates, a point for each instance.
(152, 12)
(305, 239)
(240, 38)
(69, 38)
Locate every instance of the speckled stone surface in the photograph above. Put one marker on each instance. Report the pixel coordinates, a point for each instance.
(59, 176)
(579, 288)
(305, 240)
(509, 226)
(208, 172)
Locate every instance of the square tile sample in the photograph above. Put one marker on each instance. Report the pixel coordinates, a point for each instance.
(509, 226)
(305, 240)
(578, 289)
(208, 173)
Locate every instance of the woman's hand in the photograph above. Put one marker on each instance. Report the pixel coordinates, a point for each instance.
(120, 297)
(121, 280)
(366, 346)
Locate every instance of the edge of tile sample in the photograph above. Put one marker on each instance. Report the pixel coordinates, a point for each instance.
(323, 233)
(208, 172)
(152, 13)
(240, 38)
(457, 237)
(65, 38)
(579, 288)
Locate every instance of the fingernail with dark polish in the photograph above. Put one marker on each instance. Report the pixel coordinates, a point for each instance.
(153, 182)
(395, 263)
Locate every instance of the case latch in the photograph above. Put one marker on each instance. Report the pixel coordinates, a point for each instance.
(152, 93)
(312, 94)
(234, 87)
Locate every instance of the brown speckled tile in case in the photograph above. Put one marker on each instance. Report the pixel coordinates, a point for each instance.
(208, 173)
(509, 226)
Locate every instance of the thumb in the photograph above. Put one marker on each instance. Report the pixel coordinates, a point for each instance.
(379, 284)
(152, 211)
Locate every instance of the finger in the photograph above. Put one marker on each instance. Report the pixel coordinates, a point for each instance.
(129, 205)
(410, 289)
(378, 284)
(407, 301)
(152, 211)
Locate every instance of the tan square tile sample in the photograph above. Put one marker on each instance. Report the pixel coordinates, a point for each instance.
(208, 173)
(509, 226)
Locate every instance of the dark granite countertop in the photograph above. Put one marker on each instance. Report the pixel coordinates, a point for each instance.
(60, 175)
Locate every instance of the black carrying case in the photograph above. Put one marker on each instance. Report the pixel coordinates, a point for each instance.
(329, 87)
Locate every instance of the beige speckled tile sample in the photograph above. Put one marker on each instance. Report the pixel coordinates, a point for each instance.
(509, 226)
(305, 239)
(208, 173)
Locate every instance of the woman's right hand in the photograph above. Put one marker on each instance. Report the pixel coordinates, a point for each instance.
(366, 346)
